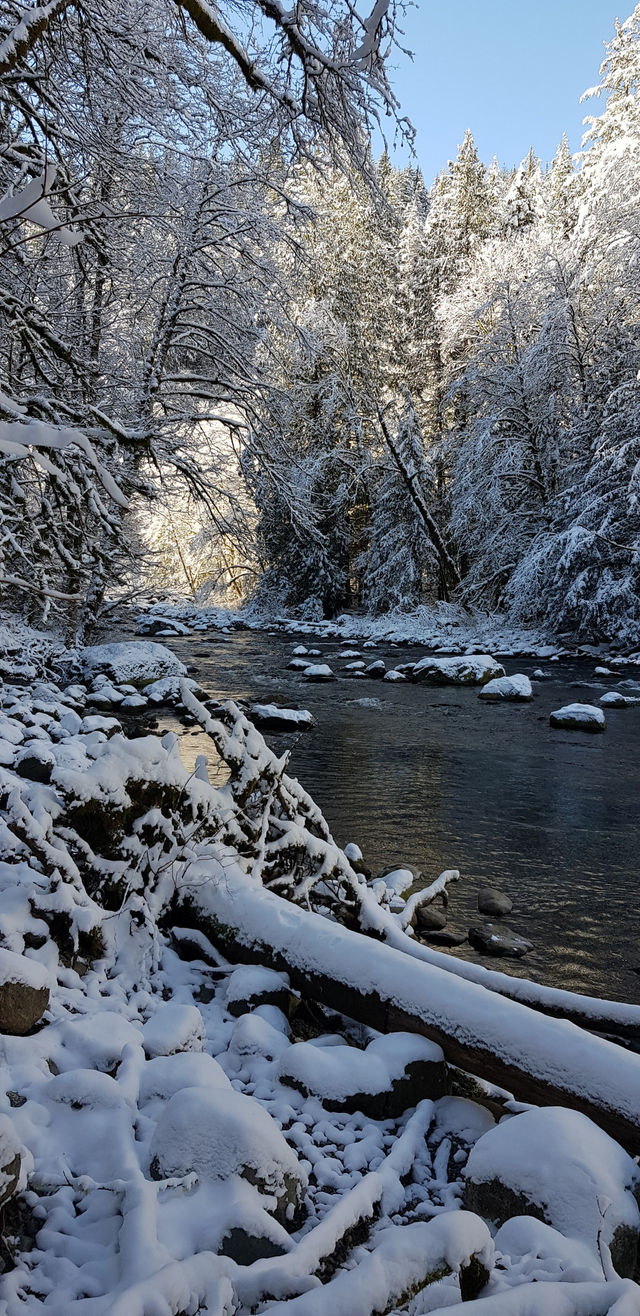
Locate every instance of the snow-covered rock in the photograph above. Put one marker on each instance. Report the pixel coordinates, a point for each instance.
(556, 1164)
(516, 688)
(163, 1076)
(172, 1028)
(218, 1133)
(269, 717)
(394, 675)
(157, 625)
(394, 1072)
(319, 672)
(251, 985)
(616, 699)
(578, 717)
(132, 660)
(24, 992)
(467, 669)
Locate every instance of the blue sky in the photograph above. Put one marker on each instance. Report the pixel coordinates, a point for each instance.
(511, 70)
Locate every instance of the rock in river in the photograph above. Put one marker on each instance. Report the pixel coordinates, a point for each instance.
(319, 672)
(269, 717)
(467, 669)
(490, 939)
(494, 902)
(516, 688)
(579, 717)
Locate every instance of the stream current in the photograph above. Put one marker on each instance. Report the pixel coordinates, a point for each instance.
(434, 777)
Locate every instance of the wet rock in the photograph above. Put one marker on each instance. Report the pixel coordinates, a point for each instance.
(443, 936)
(496, 903)
(24, 993)
(430, 918)
(579, 717)
(492, 939)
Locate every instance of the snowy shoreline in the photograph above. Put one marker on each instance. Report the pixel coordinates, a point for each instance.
(141, 1032)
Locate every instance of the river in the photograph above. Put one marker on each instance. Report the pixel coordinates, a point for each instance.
(433, 777)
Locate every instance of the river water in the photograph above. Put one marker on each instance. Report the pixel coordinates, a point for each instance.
(433, 777)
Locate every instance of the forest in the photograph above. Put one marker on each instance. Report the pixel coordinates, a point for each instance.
(265, 396)
(293, 373)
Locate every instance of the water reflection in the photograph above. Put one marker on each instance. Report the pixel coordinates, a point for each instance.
(435, 778)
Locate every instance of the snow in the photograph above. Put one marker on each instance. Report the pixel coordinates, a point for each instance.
(173, 1027)
(217, 1133)
(570, 1059)
(470, 669)
(516, 687)
(296, 716)
(581, 1179)
(99, 1119)
(340, 1072)
(21, 969)
(581, 717)
(318, 672)
(132, 660)
(616, 699)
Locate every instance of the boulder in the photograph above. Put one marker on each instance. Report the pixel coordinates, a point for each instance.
(269, 717)
(172, 1028)
(376, 670)
(494, 902)
(24, 993)
(131, 661)
(556, 1165)
(516, 689)
(36, 763)
(442, 936)
(220, 1133)
(492, 940)
(319, 672)
(394, 1072)
(467, 669)
(250, 985)
(394, 676)
(578, 717)
(430, 918)
(616, 699)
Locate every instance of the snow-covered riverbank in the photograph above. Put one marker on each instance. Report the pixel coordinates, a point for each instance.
(180, 1134)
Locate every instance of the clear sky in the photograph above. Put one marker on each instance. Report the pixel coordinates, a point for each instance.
(512, 71)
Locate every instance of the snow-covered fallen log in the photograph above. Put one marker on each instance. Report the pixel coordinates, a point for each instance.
(301, 839)
(541, 1060)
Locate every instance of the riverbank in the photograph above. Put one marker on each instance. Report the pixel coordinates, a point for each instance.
(144, 1052)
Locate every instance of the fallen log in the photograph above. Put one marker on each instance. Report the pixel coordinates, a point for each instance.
(541, 1060)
